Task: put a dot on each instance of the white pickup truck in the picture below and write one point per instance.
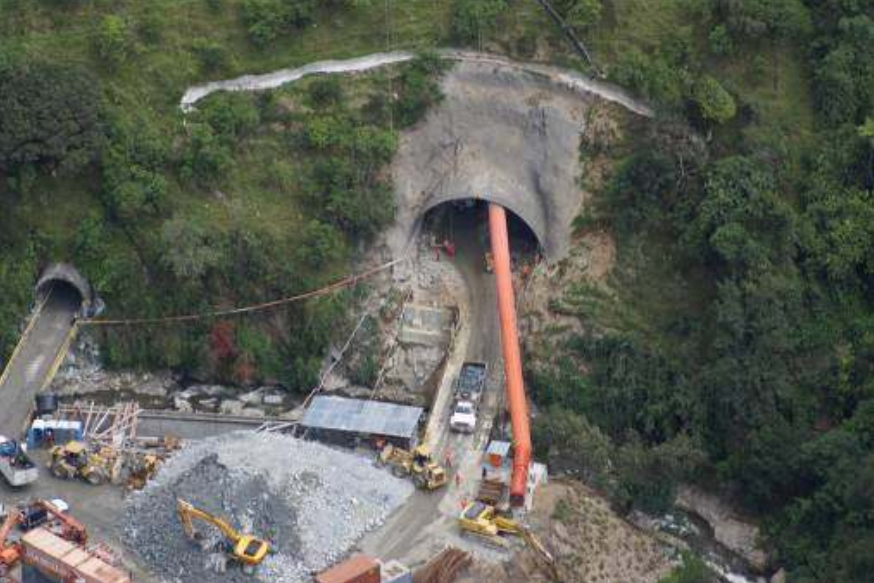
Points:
(469, 389)
(463, 418)
(17, 469)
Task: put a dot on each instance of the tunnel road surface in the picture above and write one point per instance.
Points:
(31, 364)
(428, 521)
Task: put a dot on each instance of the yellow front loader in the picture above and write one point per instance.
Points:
(75, 460)
(426, 473)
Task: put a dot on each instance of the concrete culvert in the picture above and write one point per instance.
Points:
(64, 280)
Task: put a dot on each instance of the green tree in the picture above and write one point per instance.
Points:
(584, 14)
(774, 19)
(51, 117)
(321, 245)
(134, 159)
(232, 117)
(268, 19)
(473, 19)
(714, 103)
(113, 40)
(190, 247)
(212, 56)
(206, 158)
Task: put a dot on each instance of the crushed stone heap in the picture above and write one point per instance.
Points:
(312, 502)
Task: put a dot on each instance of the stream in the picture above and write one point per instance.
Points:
(698, 535)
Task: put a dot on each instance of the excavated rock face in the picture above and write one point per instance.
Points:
(500, 134)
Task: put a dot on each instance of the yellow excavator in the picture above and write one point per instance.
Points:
(426, 473)
(74, 460)
(245, 548)
(485, 522)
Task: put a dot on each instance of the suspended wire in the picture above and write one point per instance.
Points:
(345, 282)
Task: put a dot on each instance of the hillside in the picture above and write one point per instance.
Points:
(725, 343)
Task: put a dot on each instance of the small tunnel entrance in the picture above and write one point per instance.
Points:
(63, 284)
(464, 225)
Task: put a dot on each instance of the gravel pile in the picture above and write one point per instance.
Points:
(312, 503)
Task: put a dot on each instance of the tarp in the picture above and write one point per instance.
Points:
(362, 416)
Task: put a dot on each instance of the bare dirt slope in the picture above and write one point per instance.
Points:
(590, 543)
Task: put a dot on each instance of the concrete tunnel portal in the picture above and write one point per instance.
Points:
(445, 215)
(64, 280)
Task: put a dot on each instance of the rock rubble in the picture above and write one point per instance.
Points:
(313, 503)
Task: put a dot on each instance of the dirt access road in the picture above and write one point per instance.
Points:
(428, 521)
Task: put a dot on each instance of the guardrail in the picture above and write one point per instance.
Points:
(24, 336)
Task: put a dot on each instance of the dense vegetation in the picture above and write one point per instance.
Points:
(733, 346)
(248, 198)
(737, 349)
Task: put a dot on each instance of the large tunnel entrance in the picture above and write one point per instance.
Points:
(464, 225)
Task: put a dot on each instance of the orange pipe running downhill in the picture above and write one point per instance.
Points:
(512, 354)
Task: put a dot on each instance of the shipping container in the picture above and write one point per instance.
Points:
(357, 569)
(61, 560)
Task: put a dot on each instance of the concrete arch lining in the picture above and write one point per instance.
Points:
(66, 274)
(530, 214)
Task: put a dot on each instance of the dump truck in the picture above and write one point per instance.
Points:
(468, 392)
(249, 550)
(18, 470)
(426, 473)
(74, 460)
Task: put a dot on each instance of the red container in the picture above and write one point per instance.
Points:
(357, 569)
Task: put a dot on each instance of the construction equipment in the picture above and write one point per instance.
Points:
(484, 521)
(67, 527)
(426, 473)
(74, 460)
(10, 553)
(142, 469)
(17, 469)
(245, 548)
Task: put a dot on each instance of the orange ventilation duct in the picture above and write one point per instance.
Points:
(512, 354)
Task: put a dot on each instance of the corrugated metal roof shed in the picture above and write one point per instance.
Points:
(362, 416)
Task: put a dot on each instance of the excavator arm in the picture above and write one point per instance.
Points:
(8, 525)
(248, 549)
(73, 530)
(187, 512)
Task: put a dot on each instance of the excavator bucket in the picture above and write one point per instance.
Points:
(251, 550)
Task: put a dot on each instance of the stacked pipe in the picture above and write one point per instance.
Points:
(512, 354)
